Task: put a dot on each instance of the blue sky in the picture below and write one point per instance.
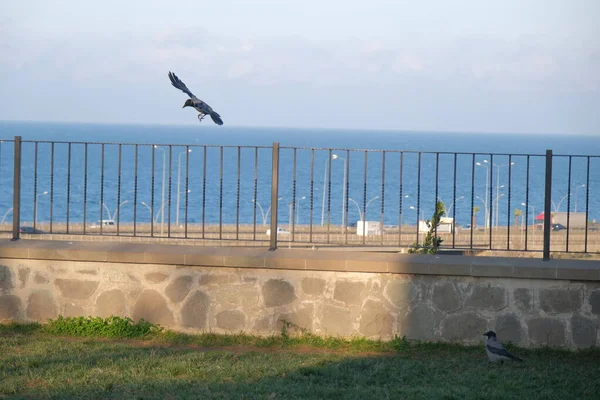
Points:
(465, 65)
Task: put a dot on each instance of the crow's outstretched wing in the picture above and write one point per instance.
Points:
(175, 81)
(499, 350)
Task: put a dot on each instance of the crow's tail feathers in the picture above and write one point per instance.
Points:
(216, 118)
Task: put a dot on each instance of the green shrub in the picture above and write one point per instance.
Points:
(111, 327)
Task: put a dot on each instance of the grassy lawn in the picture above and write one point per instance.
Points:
(38, 364)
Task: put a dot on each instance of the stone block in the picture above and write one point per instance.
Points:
(303, 318)
(583, 331)
(483, 297)
(23, 275)
(264, 324)
(546, 332)
(209, 279)
(446, 297)
(466, 327)
(336, 320)
(194, 313)
(73, 310)
(111, 302)
(243, 295)
(40, 278)
(75, 288)
(401, 294)
(595, 302)
(231, 319)
(419, 323)
(10, 307)
(152, 307)
(349, 292)
(560, 300)
(313, 286)
(156, 277)
(375, 320)
(508, 328)
(6, 282)
(523, 300)
(179, 288)
(277, 292)
(41, 306)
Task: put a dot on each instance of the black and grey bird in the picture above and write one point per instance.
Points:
(200, 106)
(496, 351)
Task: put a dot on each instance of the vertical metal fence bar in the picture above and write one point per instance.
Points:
(587, 204)
(400, 194)
(135, 188)
(169, 190)
(568, 206)
(187, 188)
(491, 203)
(473, 221)
(454, 204)
(527, 203)
(437, 183)
(51, 185)
(119, 188)
(68, 182)
(102, 187)
(35, 183)
(381, 219)
(254, 199)
(328, 195)
(292, 225)
(364, 212)
(418, 194)
(547, 205)
(274, 196)
(237, 195)
(346, 195)
(220, 192)
(508, 207)
(312, 193)
(152, 192)
(204, 193)
(85, 180)
(16, 189)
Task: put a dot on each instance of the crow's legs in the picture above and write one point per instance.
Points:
(201, 117)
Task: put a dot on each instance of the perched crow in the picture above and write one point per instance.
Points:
(200, 106)
(495, 351)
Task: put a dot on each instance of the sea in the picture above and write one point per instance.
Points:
(205, 173)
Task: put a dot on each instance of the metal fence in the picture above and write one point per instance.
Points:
(299, 196)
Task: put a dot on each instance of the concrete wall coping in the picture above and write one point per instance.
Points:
(303, 259)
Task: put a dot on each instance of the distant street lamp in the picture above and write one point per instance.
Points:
(335, 157)
(422, 213)
(576, 191)
(486, 222)
(452, 204)
(162, 218)
(498, 188)
(8, 211)
(362, 215)
(298, 208)
(264, 214)
(36, 207)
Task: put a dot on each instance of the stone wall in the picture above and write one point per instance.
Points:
(337, 301)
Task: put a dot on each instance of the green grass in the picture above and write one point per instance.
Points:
(167, 365)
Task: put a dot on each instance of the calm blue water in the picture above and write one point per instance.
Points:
(396, 179)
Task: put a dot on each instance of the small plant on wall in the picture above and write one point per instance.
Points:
(432, 242)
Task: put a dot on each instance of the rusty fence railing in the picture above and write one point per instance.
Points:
(301, 196)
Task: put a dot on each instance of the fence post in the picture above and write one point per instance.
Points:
(17, 189)
(547, 205)
(274, 196)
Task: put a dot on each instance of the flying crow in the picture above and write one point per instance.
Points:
(200, 106)
(495, 350)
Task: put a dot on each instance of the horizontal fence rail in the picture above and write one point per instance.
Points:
(301, 196)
